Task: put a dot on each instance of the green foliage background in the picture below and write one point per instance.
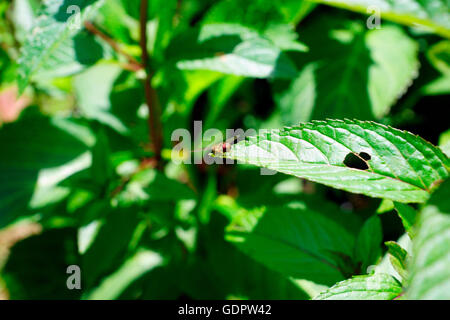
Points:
(356, 210)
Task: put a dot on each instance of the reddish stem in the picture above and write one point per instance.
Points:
(151, 95)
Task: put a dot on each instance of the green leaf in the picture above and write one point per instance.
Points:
(234, 49)
(36, 268)
(397, 257)
(444, 142)
(386, 264)
(109, 241)
(96, 96)
(430, 14)
(112, 16)
(372, 287)
(408, 216)
(359, 74)
(439, 57)
(368, 243)
(225, 272)
(49, 43)
(219, 95)
(101, 168)
(37, 152)
(133, 268)
(429, 266)
(356, 156)
(284, 37)
(299, 243)
(259, 13)
(152, 185)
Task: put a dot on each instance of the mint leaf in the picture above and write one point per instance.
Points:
(356, 156)
(429, 272)
(373, 287)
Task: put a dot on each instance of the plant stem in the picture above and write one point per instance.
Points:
(151, 96)
(134, 64)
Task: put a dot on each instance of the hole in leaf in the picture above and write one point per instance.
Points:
(365, 156)
(356, 162)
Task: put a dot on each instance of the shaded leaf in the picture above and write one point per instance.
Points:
(152, 185)
(408, 216)
(368, 243)
(133, 268)
(36, 268)
(209, 277)
(299, 243)
(109, 243)
(37, 152)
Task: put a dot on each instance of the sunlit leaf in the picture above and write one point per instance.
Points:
(429, 267)
(430, 14)
(356, 156)
(373, 287)
(233, 49)
(47, 45)
(375, 66)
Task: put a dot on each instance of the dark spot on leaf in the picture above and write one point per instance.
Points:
(354, 161)
(365, 156)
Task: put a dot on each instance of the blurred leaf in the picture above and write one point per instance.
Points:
(49, 43)
(109, 243)
(133, 268)
(408, 216)
(7, 68)
(356, 156)
(429, 274)
(296, 242)
(397, 256)
(23, 16)
(36, 268)
(101, 92)
(430, 14)
(284, 37)
(359, 74)
(112, 17)
(164, 15)
(385, 266)
(385, 206)
(444, 142)
(101, 169)
(221, 271)
(368, 243)
(219, 95)
(152, 185)
(39, 153)
(371, 287)
(234, 49)
(259, 13)
(439, 57)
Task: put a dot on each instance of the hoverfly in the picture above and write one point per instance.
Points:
(225, 146)
(221, 147)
